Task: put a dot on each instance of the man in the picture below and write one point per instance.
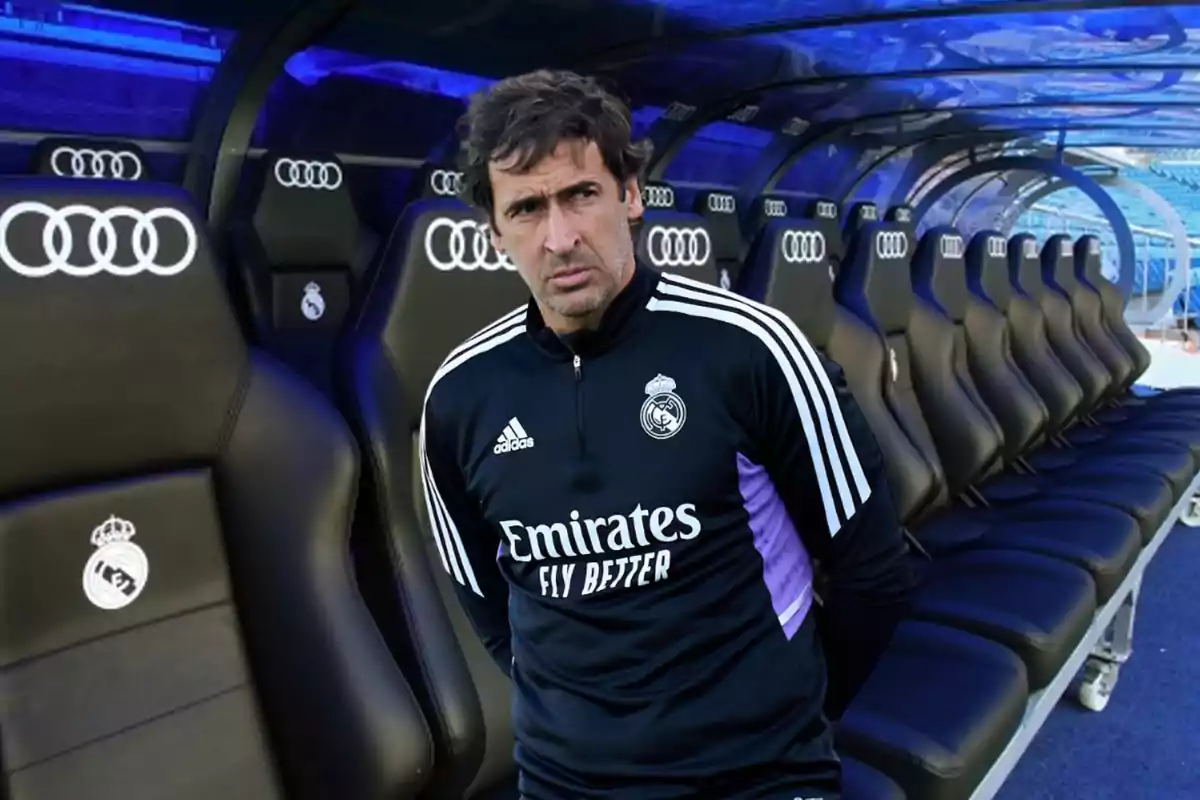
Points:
(630, 480)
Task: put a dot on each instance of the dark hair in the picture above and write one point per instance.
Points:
(529, 115)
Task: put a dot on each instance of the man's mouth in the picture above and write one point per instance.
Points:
(570, 277)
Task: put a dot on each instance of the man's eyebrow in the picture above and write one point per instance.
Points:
(586, 183)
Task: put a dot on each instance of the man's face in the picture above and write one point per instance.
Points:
(565, 224)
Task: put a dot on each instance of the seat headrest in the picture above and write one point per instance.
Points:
(1088, 266)
(861, 214)
(827, 216)
(720, 210)
(987, 269)
(798, 275)
(438, 180)
(874, 280)
(305, 215)
(439, 280)
(1058, 263)
(658, 196)
(822, 208)
(940, 272)
(671, 241)
(121, 351)
(901, 215)
(1024, 266)
(72, 157)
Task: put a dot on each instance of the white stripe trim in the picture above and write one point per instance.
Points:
(445, 531)
(806, 419)
(810, 366)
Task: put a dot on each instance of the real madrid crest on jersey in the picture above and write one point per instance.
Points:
(116, 573)
(663, 413)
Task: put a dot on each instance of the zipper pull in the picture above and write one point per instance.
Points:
(578, 362)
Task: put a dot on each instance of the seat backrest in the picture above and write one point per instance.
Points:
(438, 281)
(298, 260)
(1009, 395)
(678, 243)
(1031, 347)
(968, 437)
(106, 159)
(1088, 271)
(173, 515)
(1089, 314)
(720, 210)
(1058, 274)
(826, 214)
(873, 285)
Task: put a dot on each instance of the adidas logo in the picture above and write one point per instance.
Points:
(513, 438)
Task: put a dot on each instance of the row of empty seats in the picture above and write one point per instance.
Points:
(995, 376)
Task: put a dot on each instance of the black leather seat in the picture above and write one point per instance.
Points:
(936, 734)
(969, 436)
(180, 620)
(1037, 606)
(1054, 363)
(720, 210)
(1088, 271)
(826, 213)
(429, 293)
(1020, 409)
(859, 216)
(1092, 327)
(971, 562)
(301, 253)
(860, 782)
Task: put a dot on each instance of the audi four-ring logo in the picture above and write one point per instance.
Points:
(826, 210)
(102, 240)
(722, 203)
(903, 215)
(802, 247)
(869, 212)
(293, 174)
(775, 208)
(659, 196)
(997, 247)
(1064, 248)
(678, 247)
(446, 182)
(1029, 248)
(891, 245)
(951, 246)
(468, 247)
(84, 162)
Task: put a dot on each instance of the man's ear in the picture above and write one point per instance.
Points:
(634, 208)
(494, 237)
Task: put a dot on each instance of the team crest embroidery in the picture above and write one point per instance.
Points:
(116, 573)
(663, 413)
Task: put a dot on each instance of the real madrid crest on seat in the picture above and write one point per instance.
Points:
(117, 571)
(663, 412)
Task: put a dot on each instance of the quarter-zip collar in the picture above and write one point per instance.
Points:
(623, 315)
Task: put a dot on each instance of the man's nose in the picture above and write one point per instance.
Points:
(561, 234)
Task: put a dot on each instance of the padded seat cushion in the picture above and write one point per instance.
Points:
(1038, 607)
(1104, 541)
(1163, 456)
(1145, 497)
(938, 709)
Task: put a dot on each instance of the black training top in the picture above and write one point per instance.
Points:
(632, 516)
